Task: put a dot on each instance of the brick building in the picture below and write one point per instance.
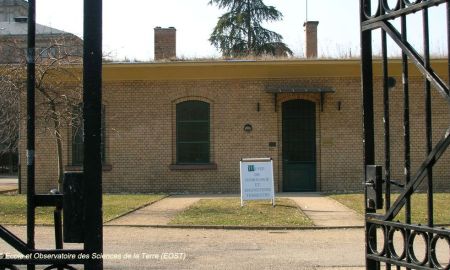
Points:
(184, 126)
(179, 126)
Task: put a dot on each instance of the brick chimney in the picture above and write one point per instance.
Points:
(311, 38)
(165, 43)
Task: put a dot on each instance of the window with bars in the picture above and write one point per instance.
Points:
(77, 136)
(193, 132)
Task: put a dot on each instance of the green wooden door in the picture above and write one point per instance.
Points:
(299, 145)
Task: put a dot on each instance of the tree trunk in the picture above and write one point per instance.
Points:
(58, 145)
(60, 161)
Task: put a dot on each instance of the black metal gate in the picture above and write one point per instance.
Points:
(82, 202)
(390, 242)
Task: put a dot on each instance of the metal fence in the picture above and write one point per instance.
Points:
(382, 231)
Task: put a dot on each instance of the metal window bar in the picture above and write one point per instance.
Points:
(380, 19)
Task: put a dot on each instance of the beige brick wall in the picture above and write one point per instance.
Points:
(140, 123)
(150, 144)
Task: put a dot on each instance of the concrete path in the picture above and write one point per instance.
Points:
(8, 183)
(325, 212)
(158, 213)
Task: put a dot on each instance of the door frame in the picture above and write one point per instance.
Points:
(285, 97)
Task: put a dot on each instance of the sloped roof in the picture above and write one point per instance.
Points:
(20, 28)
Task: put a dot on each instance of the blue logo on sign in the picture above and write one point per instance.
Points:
(251, 168)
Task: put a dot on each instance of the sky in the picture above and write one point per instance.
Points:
(128, 26)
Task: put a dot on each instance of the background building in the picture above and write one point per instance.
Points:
(10, 9)
(13, 35)
(51, 44)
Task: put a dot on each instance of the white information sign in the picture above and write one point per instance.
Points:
(257, 179)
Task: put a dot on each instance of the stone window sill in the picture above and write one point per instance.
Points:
(180, 167)
(77, 168)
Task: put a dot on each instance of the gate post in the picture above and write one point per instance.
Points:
(31, 83)
(368, 118)
(92, 111)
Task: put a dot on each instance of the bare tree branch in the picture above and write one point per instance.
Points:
(58, 92)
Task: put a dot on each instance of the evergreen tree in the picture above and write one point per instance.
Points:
(239, 32)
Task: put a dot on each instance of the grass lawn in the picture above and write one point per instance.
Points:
(254, 213)
(419, 206)
(13, 208)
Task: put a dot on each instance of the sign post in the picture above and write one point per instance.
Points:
(257, 179)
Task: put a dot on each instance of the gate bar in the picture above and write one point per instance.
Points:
(368, 114)
(92, 115)
(401, 12)
(13, 241)
(406, 123)
(386, 126)
(31, 83)
(406, 264)
(387, 135)
(437, 82)
(428, 114)
(448, 42)
(428, 128)
(435, 154)
(411, 227)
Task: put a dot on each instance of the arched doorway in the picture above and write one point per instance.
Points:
(299, 145)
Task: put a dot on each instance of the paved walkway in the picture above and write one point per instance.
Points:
(158, 213)
(323, 211)
(161, 212)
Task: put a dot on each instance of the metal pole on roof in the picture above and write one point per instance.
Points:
(306, 10)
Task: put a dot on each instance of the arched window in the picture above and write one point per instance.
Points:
(192, 132)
